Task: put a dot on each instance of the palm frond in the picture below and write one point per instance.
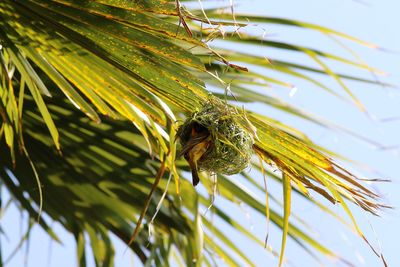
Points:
(93, 91)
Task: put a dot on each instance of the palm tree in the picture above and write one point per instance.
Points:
(92, 96)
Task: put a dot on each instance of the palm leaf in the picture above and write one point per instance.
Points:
(106, 82)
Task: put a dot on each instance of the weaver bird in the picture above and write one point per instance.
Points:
(195, 147)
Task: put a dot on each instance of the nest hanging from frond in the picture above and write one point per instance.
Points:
(231, 144)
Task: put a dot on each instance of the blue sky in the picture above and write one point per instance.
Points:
(374, 21)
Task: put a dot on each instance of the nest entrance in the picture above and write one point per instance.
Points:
(231, 145)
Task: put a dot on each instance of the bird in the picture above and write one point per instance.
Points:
(196, 146)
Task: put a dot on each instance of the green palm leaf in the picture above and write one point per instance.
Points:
(93, 92)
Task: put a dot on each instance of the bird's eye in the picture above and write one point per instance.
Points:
(198, 128)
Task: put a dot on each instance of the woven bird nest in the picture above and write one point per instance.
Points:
(231, 143)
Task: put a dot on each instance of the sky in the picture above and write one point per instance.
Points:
(373, 21)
